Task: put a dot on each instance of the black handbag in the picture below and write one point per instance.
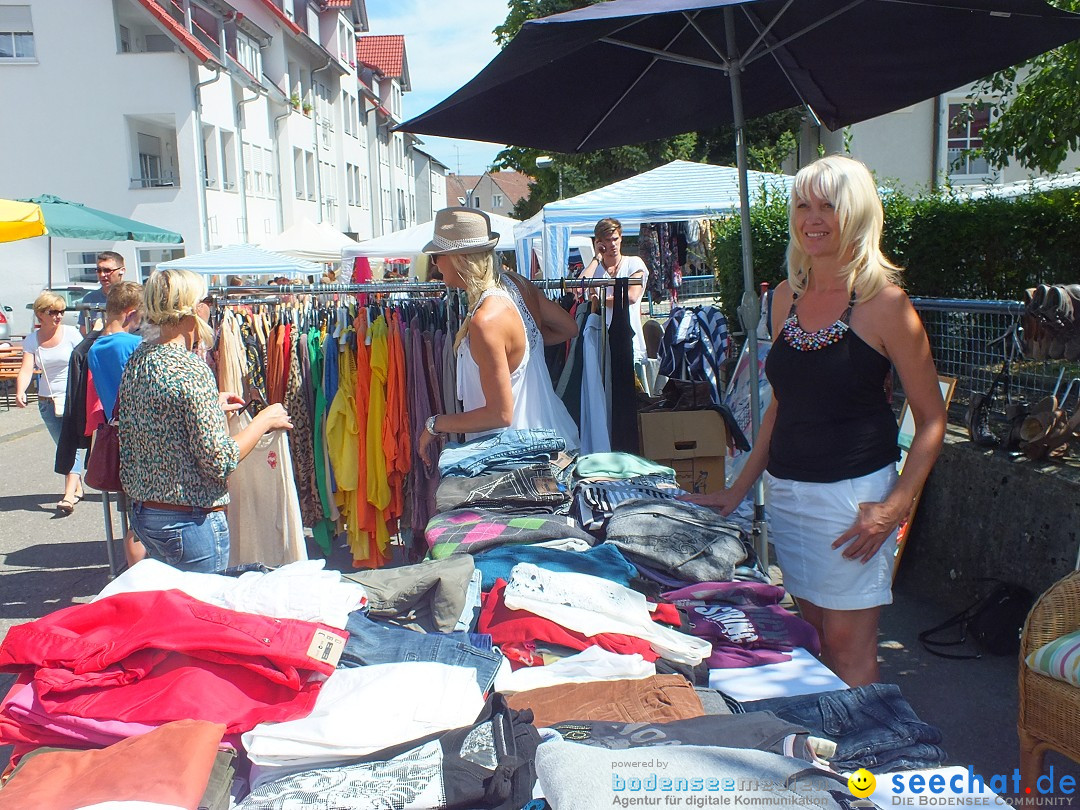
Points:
(993, 623)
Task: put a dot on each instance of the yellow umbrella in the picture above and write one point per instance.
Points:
(20, 220)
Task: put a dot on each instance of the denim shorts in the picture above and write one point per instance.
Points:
(196, 540)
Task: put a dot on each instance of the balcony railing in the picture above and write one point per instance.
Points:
(161, 181)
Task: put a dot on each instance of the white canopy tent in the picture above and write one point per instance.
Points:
(411, 241)
(677, 191)
(315, 242)
(246, 260)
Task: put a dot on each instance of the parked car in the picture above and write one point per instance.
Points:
(5, 322)
(72, 296)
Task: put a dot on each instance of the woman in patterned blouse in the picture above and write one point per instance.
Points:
(175, 448)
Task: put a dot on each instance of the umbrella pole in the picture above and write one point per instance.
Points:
(50, 263)
(749, 309)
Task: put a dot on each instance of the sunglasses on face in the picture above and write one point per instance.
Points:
(52, 312)
(108, 271)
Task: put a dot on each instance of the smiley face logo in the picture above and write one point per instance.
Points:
(861, 783)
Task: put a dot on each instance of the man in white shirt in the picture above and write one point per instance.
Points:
(608, 259)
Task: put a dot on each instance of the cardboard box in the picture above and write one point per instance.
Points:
(693, 443)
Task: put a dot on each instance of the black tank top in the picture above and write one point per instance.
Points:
(833, 421)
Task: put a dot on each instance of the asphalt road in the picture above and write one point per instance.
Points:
(48, 562)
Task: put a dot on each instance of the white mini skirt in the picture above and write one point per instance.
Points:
(806, 518)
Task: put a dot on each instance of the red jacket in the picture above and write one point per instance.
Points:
(157, 656)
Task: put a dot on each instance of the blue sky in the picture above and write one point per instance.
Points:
(447, 42)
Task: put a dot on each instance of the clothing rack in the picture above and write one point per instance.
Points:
(565, 285)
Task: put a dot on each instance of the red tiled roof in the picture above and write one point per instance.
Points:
(515, 185)
(458, 187)
(338, 3)
(176, 29)
(384, 52)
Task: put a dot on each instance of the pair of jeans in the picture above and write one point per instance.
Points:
(196, 540)
(595, 501)
(371, 642)
(686, 541)
(528, 486)
(53, 423)
(499, 452)
(873, 727)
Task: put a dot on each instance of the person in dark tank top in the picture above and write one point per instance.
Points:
(827, 445)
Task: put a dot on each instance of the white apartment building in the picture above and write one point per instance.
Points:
(224, 120)
(922, 146)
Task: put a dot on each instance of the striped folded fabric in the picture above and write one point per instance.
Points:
(1059, 658)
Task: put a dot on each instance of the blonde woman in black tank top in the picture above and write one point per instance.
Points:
(827, 442)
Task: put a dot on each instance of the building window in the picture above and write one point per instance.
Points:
(298, 172)
(151, 171)
(228, 161)
(248, 54)
(81, 267)
(309, 174)
(16, 33)
(496, 201)
(365, 193)
(206, 27)
(966, 125)
(150, 258)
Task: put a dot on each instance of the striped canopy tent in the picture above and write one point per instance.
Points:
(675, 192)
(243, 260)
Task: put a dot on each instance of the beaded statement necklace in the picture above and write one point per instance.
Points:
(799, 339)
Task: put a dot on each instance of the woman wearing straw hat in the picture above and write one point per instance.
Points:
(502, 379)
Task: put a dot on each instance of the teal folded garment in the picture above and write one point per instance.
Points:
(618, 465)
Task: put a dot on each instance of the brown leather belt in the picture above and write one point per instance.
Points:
(181, 507)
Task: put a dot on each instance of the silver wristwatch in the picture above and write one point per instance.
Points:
(429, 425)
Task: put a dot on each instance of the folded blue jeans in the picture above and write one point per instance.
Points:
(690, 542)
(499, 452)
(595, 501)
(873, 727)
(525, 487)
(371, 642)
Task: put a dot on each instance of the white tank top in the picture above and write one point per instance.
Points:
(535, 403)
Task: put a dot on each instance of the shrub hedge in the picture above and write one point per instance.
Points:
(990, 248)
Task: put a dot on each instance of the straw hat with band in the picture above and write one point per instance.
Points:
(461, 230)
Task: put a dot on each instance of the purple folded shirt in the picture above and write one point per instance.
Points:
(732, 593)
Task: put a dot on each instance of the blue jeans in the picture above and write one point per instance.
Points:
(52, 424)
(191, 541)
(521, 488)
(502, 451)
(681, 539)
(873, 727)
(371, 642)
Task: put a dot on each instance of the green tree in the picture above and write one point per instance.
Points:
(770, 138)
(1037, 121)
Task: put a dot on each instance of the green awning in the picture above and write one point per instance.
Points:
(77, 221)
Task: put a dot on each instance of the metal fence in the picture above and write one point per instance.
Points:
(693, 290)
(969, 340)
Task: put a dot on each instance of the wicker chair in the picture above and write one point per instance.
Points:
(1049, 716)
